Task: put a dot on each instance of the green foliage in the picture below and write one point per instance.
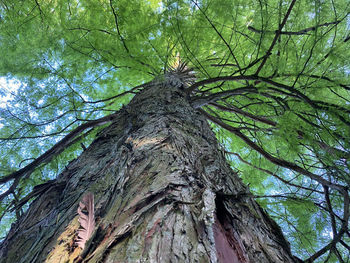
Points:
(71, 58)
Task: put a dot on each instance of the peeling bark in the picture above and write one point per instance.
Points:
(163, 193)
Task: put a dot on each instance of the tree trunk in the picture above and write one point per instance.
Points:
(163, 193)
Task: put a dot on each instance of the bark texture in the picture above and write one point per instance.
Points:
(163, 193)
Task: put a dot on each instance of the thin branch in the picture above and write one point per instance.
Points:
(331, 213)
(89, 30)
(277, 35)
(271, 158)
(131, 91)
(122, 39)
(292, 166)
(300, 32)
(117, 26)
(57, 148)
(198, 102)
(273, 174)
(244, 113)
(219, 34)
(221, 78)
(315, 104)
(224, 65)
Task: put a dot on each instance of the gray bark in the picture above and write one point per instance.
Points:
(163, 193)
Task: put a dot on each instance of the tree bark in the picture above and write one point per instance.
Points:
(163, 193)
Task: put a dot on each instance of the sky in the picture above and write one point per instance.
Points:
(7, 88)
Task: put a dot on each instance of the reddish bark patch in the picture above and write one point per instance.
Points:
(153, 230)
(225, 246)
(229, 248)
(150, 233)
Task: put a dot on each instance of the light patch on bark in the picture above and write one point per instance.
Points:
(208, 217)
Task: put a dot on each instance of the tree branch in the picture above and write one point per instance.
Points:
(198, 102)
(57, 148)
(219, 34)
(273, 174)
(271, 158)
(300, 32)
(292, 166)
(244, 113)
(277, 35)
(117, 26)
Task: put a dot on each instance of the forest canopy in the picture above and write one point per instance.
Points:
(271, 76)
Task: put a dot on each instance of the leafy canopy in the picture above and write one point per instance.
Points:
(272, 78)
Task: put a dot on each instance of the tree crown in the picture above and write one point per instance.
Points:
(272, 77)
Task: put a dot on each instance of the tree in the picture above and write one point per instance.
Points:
(270, 76)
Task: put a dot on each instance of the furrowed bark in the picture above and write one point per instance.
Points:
(163, 193)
